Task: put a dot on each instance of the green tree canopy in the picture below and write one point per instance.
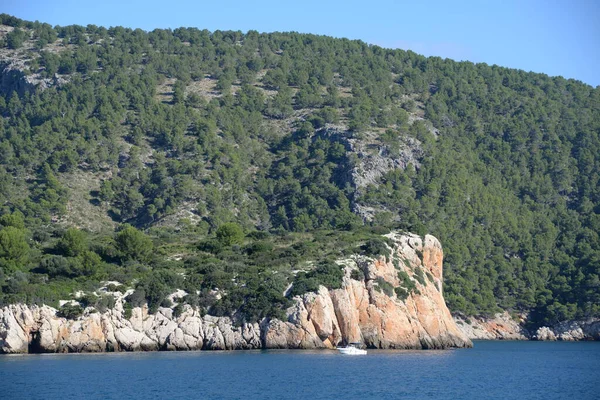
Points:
(230, 233)
(15, 220)
(73, 242)
(133, 244)
(14, 250)
(15, 39)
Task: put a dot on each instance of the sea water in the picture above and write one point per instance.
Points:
(491, 370)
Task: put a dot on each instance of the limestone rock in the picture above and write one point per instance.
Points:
(545, 333)
(366, 311)
(321, 313)
(14, 78)
(13, 338)
(591, 329)
(362, 312)
(571, 331)
(501, 327)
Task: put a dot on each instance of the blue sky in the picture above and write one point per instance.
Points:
(553, 37)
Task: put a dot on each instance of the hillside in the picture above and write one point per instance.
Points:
(232, 165)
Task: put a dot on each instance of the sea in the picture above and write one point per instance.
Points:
(490, 370)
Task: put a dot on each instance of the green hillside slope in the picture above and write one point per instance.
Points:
(225, 163)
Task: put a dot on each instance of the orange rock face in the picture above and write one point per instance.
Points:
(366, 311)
(433, 256)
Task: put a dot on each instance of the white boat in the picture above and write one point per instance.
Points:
(352, 349)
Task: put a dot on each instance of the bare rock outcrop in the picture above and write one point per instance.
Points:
(370, 310)
(570, 331)
(544, 333)
(372, 159)
(376, 310)
(504, 327)
(14, 79)
(373, 165)
(501, 327)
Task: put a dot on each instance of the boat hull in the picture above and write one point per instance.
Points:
(351, 351)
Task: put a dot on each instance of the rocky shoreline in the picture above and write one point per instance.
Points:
(371, 310)
(503, 327)
(367, 310)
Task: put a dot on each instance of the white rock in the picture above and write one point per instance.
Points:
(13, 339)
(545, 333)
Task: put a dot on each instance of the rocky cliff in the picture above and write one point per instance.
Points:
(393, 301)
(503, 327)
(570, 331)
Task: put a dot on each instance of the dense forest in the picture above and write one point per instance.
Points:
(232, 164)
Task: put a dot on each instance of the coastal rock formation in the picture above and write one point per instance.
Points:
(545, 333)
(501, 327)
(37, 329)
(378, 310)
(570, 331)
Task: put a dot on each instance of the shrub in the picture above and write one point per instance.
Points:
(215, 277)
(259, 235)
(420, 276)
(87, 263)
(70, 311)
(166, 302)
(406, 284)
(266, 302)
(210, 246)
(133, 244)
(430, 277)
(127, 310)
(303, 283)
(111, 287)
(419, 254)
(259, 247)
(177, 310)
(357, 274)
(72, 243)
(385, 286)
(260, 297)
(16, 220)
(317, 121)
(155, 287)
(380, 230)
(15, 39)
(202, 301)
(55, 266)
(376, 247)
(14, 250)
(104, 303)
(230, 233)
(401, 292)
(137, 298)
(327, 274)
(100, 303)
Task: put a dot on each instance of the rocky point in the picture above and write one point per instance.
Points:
(373, 306)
